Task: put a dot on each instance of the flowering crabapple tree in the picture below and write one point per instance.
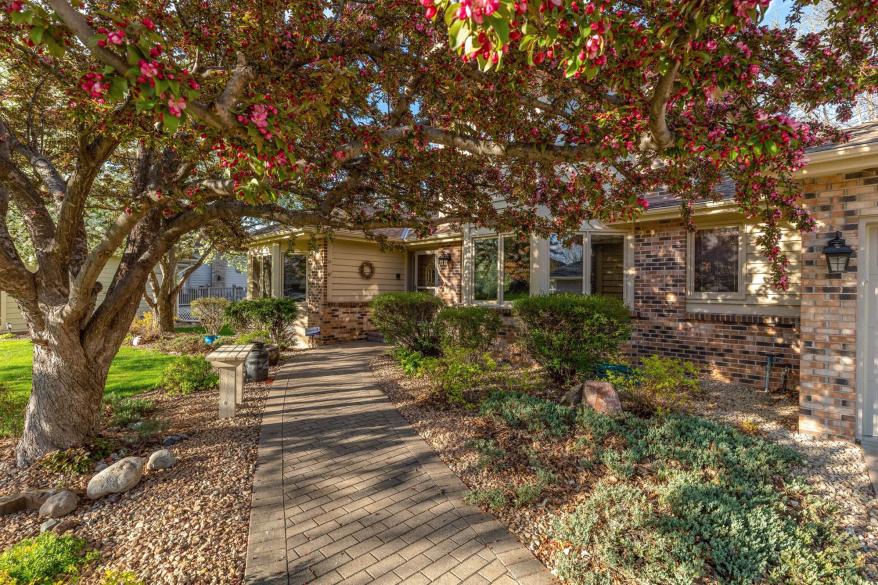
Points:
(166, 119)
(683, 94)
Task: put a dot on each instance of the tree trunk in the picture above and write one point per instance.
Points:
(166, 308)
(65, 401)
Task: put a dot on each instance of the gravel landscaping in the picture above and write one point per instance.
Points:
(184, 525)
(835, 469)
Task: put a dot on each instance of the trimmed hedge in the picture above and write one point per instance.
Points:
(570, 334)
(276, 316)
(408, 319)
(469, 328)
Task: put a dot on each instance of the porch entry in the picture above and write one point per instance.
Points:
(868, 391)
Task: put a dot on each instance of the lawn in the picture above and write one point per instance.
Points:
(134, 370)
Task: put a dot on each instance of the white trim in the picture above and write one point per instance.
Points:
(741, 293)
(865, 257)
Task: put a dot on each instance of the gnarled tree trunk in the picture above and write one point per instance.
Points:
(65, 402)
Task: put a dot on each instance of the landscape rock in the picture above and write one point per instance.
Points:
(12, 503)
(101, 465)
(33, 499)
(59, 505)
(601, 396)
(49, 525)
(117, 478)
(161, 459)
(171, 440)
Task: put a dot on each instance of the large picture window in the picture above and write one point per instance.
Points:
(501, 268)
(566, 263)
(295, 272)
(716, 261)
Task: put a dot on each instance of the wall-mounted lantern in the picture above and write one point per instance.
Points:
(445, 259)
(838, 254)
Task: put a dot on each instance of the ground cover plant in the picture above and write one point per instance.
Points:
(659, 497)
(47, 559)
(134, 370)
(188, 374)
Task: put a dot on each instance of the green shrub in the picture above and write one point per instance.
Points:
(188, 374)
(113, 577)
(526, 411)
(73, 461)
(267, 315)
(494, 498)
(469, 328)
(408, 320)
(412, 362)
(718, 510)
(460, 372)
(252, 336)
(663, 384)
(6, 336)
(570, 334)
(211, 311)
(127, 410)
(183, 344)
(44, 560)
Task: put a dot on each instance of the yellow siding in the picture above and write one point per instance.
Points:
(14, 316)
(345, 283)
(757, 269)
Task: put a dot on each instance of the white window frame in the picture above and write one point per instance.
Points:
(431, 289)
(740, 294)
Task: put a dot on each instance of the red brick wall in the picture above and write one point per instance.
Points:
(828, 394)
(727, 347)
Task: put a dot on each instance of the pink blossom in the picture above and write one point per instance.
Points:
(116, 37)
(148, 23)
(94, 85)
(176, 106)
(14, 6)
(149, 69)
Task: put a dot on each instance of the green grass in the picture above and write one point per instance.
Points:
(226, 330)
(133, 371)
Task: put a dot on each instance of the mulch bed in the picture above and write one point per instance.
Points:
(183, 525)
(836, 469)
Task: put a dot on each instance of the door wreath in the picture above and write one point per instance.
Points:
(367, 270)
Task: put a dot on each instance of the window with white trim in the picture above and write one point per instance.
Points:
(295, 276)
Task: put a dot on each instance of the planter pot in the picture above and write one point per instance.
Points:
(256, 364)
(273, 354)
(209, 339)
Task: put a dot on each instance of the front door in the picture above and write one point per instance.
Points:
(869, 390)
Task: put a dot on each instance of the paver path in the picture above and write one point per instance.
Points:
(346, 491)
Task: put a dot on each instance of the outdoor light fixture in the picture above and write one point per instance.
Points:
(838, 254)
(444, 259)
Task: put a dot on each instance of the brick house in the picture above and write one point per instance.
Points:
(701, 295)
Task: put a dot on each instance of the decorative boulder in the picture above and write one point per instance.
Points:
(117, 478)
(59, 505)
(12, 503)
(601, 396)
(161, 459)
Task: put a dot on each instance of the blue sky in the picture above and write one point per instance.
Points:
(777, 11)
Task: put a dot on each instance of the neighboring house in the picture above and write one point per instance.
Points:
(12, 320)
(703, 295)
(217, 278)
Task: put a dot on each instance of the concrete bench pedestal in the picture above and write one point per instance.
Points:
(229, 362)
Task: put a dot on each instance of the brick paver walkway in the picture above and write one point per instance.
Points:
(345, 491)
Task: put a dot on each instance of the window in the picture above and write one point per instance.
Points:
(516, 268)
(485, 276)
(501, 268)
(426, 275)
(566, 262)
(295, 271)
(716, 267)
(600, 256)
